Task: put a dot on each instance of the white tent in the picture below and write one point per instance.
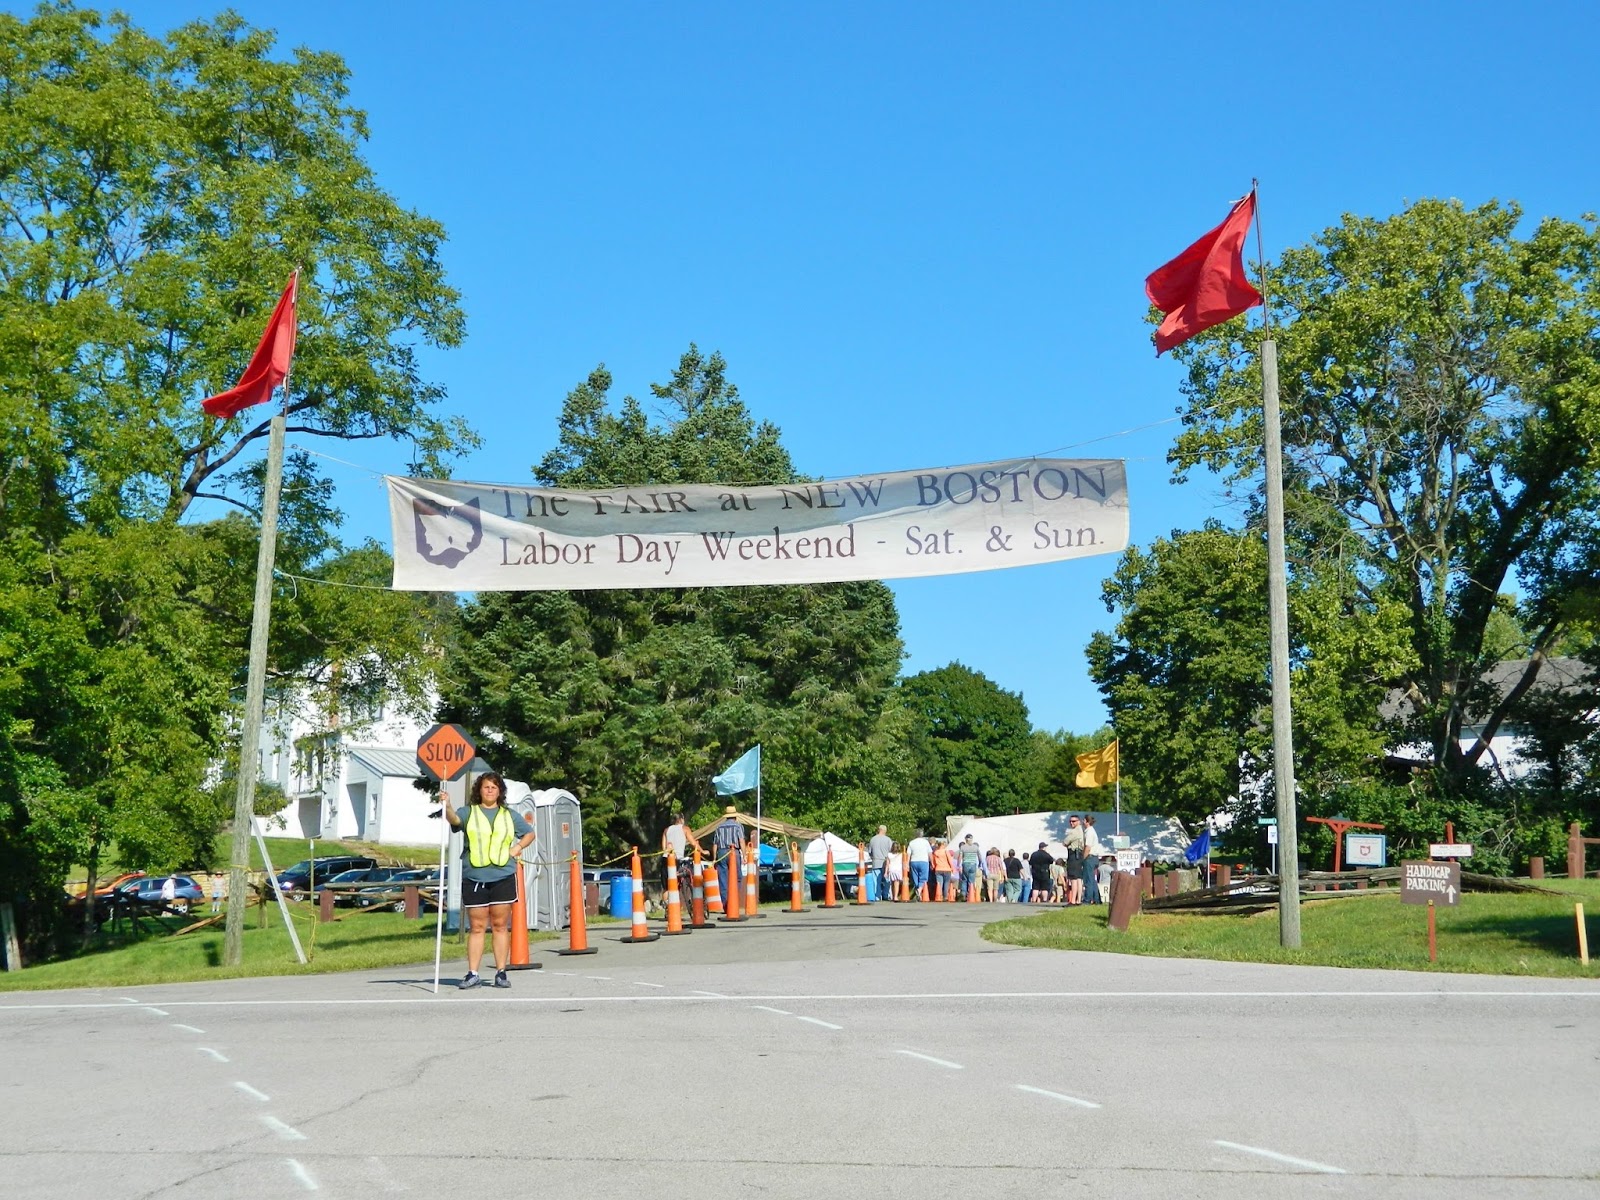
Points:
(1161, 839)
(815, 856)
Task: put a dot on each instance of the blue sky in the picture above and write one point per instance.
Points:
(918, 232)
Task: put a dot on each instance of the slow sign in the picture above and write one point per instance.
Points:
(445, 752)
(1439, 882)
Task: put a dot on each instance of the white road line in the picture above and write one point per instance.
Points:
(1022, 1087)
(782, 1012)
(567, 973)
(287, 1132)
(641, 983)
(213, 1053)
(814, 1021)
(938, 1062)
(1592, 994)
(190, 1028)
(303, 1175)
(1286, 1159)
(601, 978)
(250, 1091)
(160, 1012)
(129, 1000)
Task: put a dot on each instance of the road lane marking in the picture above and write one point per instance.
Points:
(1287, 1159)
(1022, 1087)
(190, 1028)
(782, 1012)
(601, 978)
(815, 1021)
(641, 983)
(303, 1175)
(160, 1012)
(382, 1001)
(250, 1091)
(938, 1062)
(213, 1053)
(286, 1131)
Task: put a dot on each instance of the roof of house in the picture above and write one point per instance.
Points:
(386, 761)
(1555, 675)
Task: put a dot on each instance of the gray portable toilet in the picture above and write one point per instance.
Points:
(547, 880)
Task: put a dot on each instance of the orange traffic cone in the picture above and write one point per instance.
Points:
(861, 872)
(735, 886)
(797, 875)
(904, 887)
(673, 901)
(577, 928)
(697, 895)
(752, 883)
(519, 929)
(641, 931)
(713, 889)
(827, 883)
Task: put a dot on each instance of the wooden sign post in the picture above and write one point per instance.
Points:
(1431, 883)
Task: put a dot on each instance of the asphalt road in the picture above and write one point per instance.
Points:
(878, 1052)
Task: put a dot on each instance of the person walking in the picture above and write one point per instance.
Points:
(878, 851)
(1074, 864)
(943, 889)
(971, 858)
(676, 839)
(169, 892)
(216, 894)
(727, 843)
(994, 875)
(496, 836)
(893, 871)
(919, 851)
(1039, 863)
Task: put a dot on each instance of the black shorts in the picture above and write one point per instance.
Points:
(481, 895)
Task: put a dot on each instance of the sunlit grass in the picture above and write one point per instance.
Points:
(1488, 933)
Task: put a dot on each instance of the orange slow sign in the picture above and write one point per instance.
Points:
(445, 752)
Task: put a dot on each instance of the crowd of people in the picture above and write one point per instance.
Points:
(934, 869)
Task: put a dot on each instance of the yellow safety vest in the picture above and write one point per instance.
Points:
(489, 841)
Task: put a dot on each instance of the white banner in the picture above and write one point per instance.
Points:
(470, 537)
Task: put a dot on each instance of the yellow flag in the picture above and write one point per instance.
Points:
(1098, 767)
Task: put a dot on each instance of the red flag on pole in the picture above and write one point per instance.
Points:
(269, 365)
(1206, 284)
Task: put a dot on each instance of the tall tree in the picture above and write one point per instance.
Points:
(1440, 376)
(981, 740)
(635, 699)
(155, 193)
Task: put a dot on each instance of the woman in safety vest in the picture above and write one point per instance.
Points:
(495, 837)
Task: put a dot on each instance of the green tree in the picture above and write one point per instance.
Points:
(1440, 378)
(1057, 780)
(981, 740)
(155, 194)
(635, 699)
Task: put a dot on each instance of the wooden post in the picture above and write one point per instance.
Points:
(1433, 936)
(413, 902)
(1574, 852)
(325, 906)
(13, 951)
(1147, 881)
(1224, 875)
(1536, 867)
(1583, 937)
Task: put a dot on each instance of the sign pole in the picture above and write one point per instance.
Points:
(1433, 936)
(438, 929)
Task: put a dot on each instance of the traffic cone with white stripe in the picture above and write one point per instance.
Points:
(641, 931)
(713, 889)
(797, 876)
(673, 901)
(861, 872)
(752, 884)
(697, 901)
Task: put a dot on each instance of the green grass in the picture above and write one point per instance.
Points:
(1488, 933)
(357, 942)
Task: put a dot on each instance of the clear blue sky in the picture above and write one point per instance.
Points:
(918, 232)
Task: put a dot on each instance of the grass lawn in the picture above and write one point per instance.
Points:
(358, 941)
(1488, 933)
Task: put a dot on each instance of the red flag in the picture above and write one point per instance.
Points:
(269, 365)
(1206, 284)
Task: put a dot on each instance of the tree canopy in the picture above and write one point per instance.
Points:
(635, 699)
(981, 740)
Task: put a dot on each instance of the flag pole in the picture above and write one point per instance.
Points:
(1117, 742)
(1278, 619)
(244, 797)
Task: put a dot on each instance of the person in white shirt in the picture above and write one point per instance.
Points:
(919, 851)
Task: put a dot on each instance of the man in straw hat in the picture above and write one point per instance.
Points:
(727, 839)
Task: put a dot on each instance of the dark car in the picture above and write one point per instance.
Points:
(298, 877)
(348, 886)
(392, 891)
(143, 895)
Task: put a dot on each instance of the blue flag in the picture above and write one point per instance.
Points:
(1199, 848)
(743, 776)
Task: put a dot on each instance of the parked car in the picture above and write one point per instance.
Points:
(297, 879)
(345, 884)
(392, 892)
(144, 895)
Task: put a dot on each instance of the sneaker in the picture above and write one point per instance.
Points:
(471, 980)
(500, 979)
